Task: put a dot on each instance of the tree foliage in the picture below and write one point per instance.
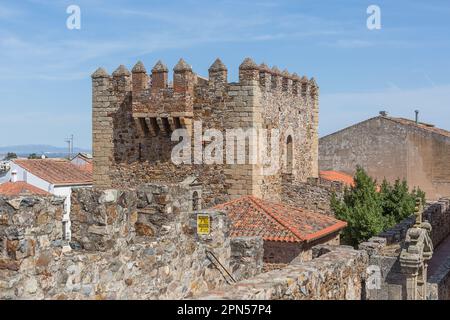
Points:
(369, 209)
(10, 155)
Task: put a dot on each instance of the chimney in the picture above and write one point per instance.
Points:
(417, 116)
(13, 176)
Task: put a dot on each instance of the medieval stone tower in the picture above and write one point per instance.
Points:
(135, 113)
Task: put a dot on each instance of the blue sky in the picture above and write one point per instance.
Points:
(45, 68)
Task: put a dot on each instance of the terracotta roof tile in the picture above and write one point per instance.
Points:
(251, 216)
(20, 188)
(56, 171)
(337, 176)
(88, 167)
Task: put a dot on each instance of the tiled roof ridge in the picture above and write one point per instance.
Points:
(21, 187)
(75, 176)
(326, 231)
(339, 176)
(420, 125)
(336, 226)
(277, 218)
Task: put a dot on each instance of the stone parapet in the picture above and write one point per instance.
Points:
(335, 275)
(134, 244)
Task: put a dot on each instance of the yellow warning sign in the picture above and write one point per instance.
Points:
(203, 224)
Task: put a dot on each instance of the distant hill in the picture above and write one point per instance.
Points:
(48, 150)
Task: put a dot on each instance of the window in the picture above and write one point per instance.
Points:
(289, 155)
(195, 201)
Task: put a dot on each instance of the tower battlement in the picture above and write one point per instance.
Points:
(135, 112)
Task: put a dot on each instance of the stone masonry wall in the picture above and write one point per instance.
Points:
(315, 194)
(138, 244)
(337, 273)
(392, 148)
(438, 215)
(134, 114)
(384, 251)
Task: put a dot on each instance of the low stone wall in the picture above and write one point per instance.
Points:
(337, 273)
(439, 283)
(139, 244)
(438, 215)
(246, 257)
(384, 251)
(315, 194)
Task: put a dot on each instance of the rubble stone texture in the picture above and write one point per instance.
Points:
(134, 115)
(338, 274)
(385, 249)
(314, 194)
(126, 245)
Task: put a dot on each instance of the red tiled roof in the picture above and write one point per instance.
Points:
(337, 176)
(56, 171)
(88, 167)
(251, 216)
(20, 188)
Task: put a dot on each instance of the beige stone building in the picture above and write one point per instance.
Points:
(392, 148)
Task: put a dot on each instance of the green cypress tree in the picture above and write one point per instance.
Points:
(361, 208)
(369, 210)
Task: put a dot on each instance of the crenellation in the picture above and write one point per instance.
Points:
(248, 72)
(160, 77)
(134, 119)
(140, 79)
(286, 81)
(277, 80)
(121, 80)
(265, 76)
(296, 85)
(217, 75)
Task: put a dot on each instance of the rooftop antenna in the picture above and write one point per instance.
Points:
(417, 116)
(69, 142)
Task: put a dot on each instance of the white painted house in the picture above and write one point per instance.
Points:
(56, 176)
(82, 159)
(5, 172)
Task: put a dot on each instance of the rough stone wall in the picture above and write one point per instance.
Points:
(376, 144)
(135, 113)
(391, 150)
(438, 285)
(384, 251)
(26, 223)
(429, 162)
(337, 274)
(276, 252)
(138, 244)
(315, 194)
(246, 257)
(438, 215)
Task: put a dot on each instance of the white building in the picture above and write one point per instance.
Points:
(82, 159)
(56, 176)
(5, 175)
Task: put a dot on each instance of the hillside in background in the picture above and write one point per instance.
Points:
(39, 149)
